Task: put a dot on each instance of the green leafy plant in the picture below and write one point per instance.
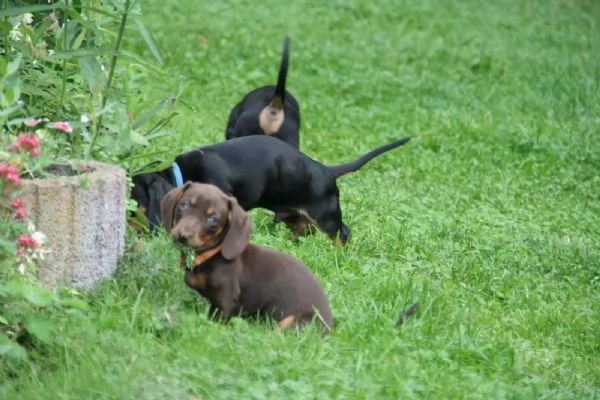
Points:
(73, 68)
(26, 308)
(68, 91)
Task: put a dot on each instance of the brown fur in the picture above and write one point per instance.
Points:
(240, 279)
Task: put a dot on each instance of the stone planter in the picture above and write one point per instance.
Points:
(83, 217)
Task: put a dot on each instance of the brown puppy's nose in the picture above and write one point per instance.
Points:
(185, 233)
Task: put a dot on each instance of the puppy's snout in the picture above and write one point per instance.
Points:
(183, 232)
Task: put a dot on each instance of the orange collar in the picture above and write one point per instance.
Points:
(200, 258)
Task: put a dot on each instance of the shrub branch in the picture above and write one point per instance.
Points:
(111, 72)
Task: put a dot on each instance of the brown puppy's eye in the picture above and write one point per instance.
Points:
(184, 205)
(213, 219)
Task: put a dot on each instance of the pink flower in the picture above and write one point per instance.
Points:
(4, 169)
(10, 173)
(26, 241)
(21, 213)
(31, 122)
(13, 178)
(17, 203)
(63, 126)
(21, 252)
(31, 143)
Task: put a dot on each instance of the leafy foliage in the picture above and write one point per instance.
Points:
(72, 68)
(65, 85)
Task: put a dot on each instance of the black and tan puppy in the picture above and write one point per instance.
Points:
(236, 277)
(268, 110)
(261, 171)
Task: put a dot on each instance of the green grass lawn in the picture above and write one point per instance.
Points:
(489, 217)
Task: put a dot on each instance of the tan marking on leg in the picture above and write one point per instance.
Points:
(286, 323)
(306, 225)
(303, 225)
(193, 201)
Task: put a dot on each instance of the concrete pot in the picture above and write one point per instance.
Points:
(83, 217)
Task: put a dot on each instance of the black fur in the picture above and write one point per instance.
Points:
(244, 116)
(261, 171)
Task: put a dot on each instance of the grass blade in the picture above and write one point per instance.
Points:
(150, 42)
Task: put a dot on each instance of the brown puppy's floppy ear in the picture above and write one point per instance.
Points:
(168, 204)
(238, 235)
(156, 192)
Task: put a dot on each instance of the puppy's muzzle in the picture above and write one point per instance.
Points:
(184, 233)
(189, 232)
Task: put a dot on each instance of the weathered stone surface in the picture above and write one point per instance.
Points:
(84, 220)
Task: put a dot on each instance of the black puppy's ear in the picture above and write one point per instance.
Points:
(238, 235)
(168, 204)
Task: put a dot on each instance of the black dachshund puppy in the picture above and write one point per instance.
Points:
(261, 171)
(268, 110)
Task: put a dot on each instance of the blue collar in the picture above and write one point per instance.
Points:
(177, 174)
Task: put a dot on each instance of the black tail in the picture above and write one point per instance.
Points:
(279, 96)
(343, 169)
(407, 313)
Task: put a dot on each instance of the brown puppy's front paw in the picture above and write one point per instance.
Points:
(286, 323)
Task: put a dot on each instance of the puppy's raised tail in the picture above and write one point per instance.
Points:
(279, 96)
(343, 169)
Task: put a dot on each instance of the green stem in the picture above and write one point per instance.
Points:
(111, 72)
(64, 63)
(5, 19)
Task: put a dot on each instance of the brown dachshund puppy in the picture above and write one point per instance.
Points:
(236, 277)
